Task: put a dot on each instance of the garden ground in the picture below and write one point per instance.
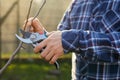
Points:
(37, 69)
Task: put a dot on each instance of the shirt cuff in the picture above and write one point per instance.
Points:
(70, 41)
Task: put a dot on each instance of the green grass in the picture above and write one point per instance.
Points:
(24, 55)
(37, 69)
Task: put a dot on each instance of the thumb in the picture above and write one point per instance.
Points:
(38, 26)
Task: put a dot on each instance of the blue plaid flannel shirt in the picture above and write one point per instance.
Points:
(91, 28)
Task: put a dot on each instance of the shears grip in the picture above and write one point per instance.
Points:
(56, 63)
(34, 39)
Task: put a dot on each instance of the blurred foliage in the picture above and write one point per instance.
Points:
(24, 55)
(28, 66)
(50, 16)
(37, 70)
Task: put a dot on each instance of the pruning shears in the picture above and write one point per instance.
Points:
(34, 38)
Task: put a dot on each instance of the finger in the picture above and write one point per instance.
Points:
(49, 55)
(40, 46)
(45, 52)
(31, 29)
(27, 24)
(30, 19)
(54, 59)
(37, 26)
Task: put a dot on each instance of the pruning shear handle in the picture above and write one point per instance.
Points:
(34, 39)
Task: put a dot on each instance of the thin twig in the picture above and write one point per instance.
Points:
(18, 48)
(28, 15)
(43, 3)
(11, 58)
(20, 44)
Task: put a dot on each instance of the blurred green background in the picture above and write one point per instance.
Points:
(27, 65)
(37, 69)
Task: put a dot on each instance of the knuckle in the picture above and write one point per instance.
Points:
(35, 50)
(42, 55)
(47, 59)
(52, 62)
(35, 20)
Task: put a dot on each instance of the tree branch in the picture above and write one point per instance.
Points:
(11, 58)
(20, 44)
(18, 48)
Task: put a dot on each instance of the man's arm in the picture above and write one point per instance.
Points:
(77, 40)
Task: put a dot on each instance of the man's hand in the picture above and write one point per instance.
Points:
(34, 26)
(52, 44)
(53, 47)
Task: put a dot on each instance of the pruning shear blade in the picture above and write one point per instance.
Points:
(28, 41)
(33, 38)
